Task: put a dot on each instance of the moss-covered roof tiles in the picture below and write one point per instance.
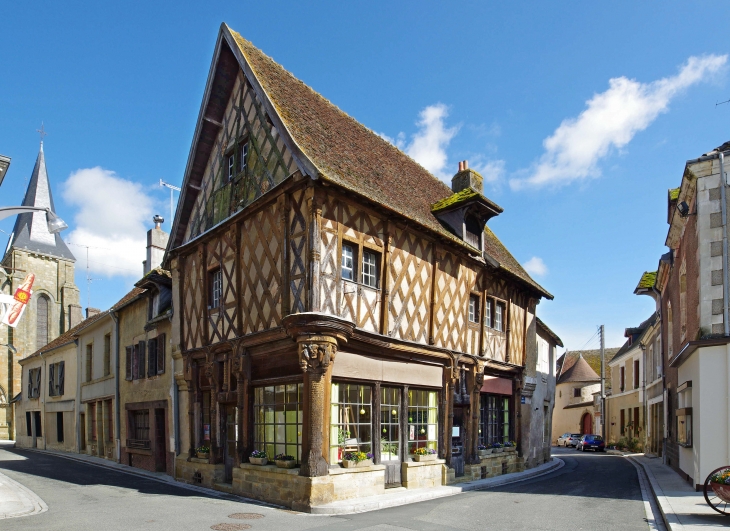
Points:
(455, 199)
(648, 279)
(348, 154)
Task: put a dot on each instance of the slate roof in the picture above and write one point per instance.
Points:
(591, 357)
(352, 156)
(31, 229)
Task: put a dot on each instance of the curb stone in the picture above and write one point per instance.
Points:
(32, 503)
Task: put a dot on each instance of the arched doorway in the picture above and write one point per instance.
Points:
(586, 424)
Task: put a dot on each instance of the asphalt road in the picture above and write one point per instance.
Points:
(591, 492)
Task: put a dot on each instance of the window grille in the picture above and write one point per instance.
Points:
(348, 263)
(278, 419)
(494, 419)
(370, 269)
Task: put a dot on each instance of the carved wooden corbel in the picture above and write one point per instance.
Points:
(479, 377)
(317, 352)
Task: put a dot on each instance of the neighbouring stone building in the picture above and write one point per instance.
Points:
(332, 296)
(54, 306)
(693, 281)
(626, 412)
(578, 380)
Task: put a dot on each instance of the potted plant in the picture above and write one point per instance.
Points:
(357, 459)
(510, 446)
(258, 457)
(424, 454)
(720, 483)
(285, 461)
(483, 450)
(342, 436)
(497, 447)
(202, 452)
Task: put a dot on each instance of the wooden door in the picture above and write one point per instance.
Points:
(229, 437)
(160, 446)
(587, 424)
(391, 436)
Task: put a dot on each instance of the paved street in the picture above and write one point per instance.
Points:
(592, 491)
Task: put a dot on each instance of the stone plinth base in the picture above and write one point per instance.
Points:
(489, 466)
(418, 475)
(187, 470)
(286, 487)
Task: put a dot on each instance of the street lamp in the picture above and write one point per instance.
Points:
(55, 224)
(4, 165)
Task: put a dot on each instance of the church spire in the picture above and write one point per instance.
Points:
(31, 229)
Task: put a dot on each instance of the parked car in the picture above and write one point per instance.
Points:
(591, 442)
(568, 439)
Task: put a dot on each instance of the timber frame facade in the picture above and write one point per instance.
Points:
(326, 302)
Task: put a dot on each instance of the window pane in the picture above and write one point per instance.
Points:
(499, 313)
(422, 419)
(347, 262)
(278, 420)
(369, 269)
(350, 420)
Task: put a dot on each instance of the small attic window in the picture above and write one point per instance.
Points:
(473, 232)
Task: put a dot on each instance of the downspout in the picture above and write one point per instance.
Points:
(723, 205)
(117, 422)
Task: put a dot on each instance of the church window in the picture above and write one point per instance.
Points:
(215, 280)
(41, 321)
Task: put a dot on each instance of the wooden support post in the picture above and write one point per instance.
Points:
(376, 416)
(404, 421)
(385, 284)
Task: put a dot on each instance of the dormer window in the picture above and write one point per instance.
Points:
(473, 232)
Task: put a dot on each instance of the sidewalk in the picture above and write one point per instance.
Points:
(682, 508)
(15, 499)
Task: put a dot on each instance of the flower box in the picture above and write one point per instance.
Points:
(427, 457)
(485, 453)
(202, 455)
(288, 463)
(497, 450)
(357, 464)
(258, 460)
(509, 449)
(722, 491)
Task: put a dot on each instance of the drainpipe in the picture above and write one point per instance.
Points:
(175, 398)
(117, 422)
(660, 316)
(723, 205)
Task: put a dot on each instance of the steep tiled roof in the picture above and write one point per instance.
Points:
(591, 357)
(350, 155)
(549, 332)
(579, 371)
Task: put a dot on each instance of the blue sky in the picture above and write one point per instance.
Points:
(523, 90)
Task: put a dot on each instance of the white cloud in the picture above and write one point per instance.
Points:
(611, 120)
(492, 170)
(112, 216)
(535, 266)
(428, 145)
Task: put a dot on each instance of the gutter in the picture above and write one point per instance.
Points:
(117, 410)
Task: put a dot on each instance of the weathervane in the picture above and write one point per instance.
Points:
(42, 132)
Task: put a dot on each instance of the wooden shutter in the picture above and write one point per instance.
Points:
(61, 377)
(135, 361)
(161, 354)
(128, 361)
(151, 357)
(51, 390)
(30, 383)
(141, 362)
(38, 382)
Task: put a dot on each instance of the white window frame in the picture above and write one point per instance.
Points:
(369, 276)
(488, 307)
(243, 156)
(216, 288)
(499, 313)
(347, 262)
(231, 165)
(473, 308)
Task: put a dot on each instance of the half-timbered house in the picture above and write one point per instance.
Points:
(332, 296)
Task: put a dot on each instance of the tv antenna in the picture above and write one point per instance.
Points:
(89, 280)
(721, 102)
(172, 188)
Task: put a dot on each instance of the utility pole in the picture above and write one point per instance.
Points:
(603, 383)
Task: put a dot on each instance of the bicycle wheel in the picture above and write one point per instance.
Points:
(721, 505)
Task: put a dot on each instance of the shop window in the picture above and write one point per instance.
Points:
(390, 419)
(350, 420)
(278, 420)
(684, 414)
(422, 419)
(494, 419)
(205, 413)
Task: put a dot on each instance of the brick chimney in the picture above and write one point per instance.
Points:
(466, 178)
(91, 312)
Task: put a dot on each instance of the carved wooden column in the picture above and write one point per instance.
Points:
(376, 416)
(315, 355)
(477, 380)
(189, 374)
(239, 365)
